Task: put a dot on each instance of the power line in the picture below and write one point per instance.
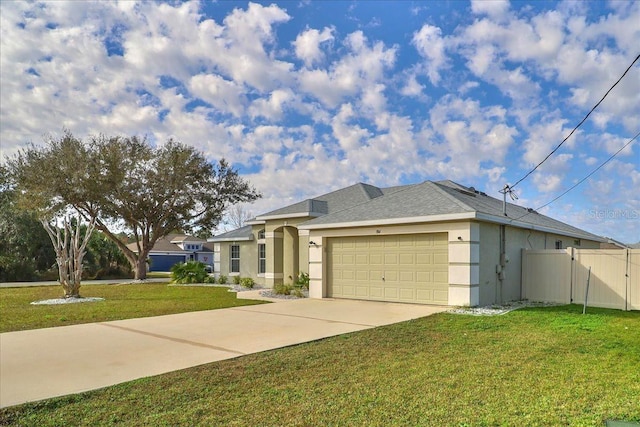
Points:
(583, 179)
(579, 124)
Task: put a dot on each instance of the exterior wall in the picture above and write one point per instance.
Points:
(492, 290)
(248, 259)
(303, 252)
(463, 256)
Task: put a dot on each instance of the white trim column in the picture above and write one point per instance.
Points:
(464, 265)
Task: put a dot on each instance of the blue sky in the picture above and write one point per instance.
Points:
(306, 97)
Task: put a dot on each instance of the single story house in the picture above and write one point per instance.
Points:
(431, 243)
(175, 248)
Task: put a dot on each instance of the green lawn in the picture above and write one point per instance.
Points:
(124, 301)
(531, 367)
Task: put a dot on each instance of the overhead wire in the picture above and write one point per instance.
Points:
(582, 180)
(578, 125)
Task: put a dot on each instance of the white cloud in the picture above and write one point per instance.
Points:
(494, 8)
(226, 95)
(363, 66)
(307, 45)
(431, 45)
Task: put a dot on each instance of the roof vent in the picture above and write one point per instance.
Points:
(531, 210)
(459, 190)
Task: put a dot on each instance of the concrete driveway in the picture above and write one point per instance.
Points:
(44, 363)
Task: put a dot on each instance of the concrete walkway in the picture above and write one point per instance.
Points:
(44, 363)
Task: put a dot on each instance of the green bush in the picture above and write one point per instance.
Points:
(189, 272)
(302, 281)
(210, 279)
(236, 280)
(222, 280)
(282, 289)
(247, 282)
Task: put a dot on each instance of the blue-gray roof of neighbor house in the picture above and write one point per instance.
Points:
(432, 201)
(239, 234)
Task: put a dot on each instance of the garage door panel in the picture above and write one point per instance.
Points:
(362, 259)
(391, 275)
(409, 268)
(424, 258)
(376, 291)
(440, 276)
(407, 294)
(405, 259)
(376, 259)
(441, 259)
(407, 276)
(441, 296)
(390, 259)
(362, 275)
(391, 293)
(424, 295)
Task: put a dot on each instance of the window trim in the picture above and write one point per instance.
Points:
(232, 259)
(262, 258)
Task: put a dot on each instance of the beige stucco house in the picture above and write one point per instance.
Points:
(430, 243)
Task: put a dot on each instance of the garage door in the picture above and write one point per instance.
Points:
(406, 268)
(164, 262)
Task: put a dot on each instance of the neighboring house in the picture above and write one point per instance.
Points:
(432, 243)
(175, 248)
(610, 243)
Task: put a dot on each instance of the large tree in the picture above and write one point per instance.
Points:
(25, 249)
(126, 182)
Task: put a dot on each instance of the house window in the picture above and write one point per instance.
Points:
(261, 234)
(577, 242)
(235, 258)
(558, 244)
(262, 258)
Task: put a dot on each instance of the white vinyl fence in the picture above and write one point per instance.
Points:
(561, 276)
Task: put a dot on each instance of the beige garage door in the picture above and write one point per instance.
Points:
(407, 268)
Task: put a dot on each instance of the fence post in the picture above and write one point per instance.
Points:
(586, 292)
(572, 253)
(627, 282)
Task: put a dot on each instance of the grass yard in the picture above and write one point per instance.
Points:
(531, 367)
(122, 301)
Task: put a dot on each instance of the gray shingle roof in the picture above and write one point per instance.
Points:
(242, 233)
(440, 198)
(330, 202)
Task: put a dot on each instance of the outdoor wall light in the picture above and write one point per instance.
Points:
(311, 242)
(460, 238)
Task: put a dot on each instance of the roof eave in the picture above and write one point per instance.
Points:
(392, 221)
(230, 239)
(509, 221)
(291, 215)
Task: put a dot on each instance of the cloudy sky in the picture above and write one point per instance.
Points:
(304, 97)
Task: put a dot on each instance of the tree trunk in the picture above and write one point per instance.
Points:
(70, 251)
(141, 269)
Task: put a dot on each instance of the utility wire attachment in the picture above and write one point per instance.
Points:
(507, 190)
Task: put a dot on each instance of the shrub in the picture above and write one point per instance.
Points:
(222, 280)
(189, 272)
(247, 282)
(236, 280)
(209, 279)
(297, 292)
(282, 289)
(302, 281)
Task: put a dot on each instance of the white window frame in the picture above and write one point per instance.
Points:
(232, 259)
